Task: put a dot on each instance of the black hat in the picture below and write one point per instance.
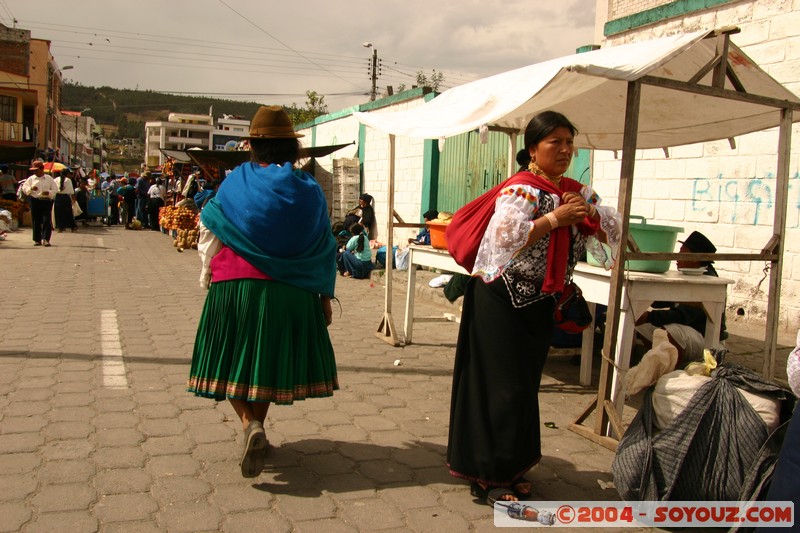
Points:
(366, 197)
(699, 243)
(431, 214)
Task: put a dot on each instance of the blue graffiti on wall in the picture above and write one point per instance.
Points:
(749, 198)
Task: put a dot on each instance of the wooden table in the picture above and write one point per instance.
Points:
(425, 255)
(641, 289)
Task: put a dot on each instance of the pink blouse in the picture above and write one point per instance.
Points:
(227, 265)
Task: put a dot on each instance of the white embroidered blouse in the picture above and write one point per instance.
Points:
(502, 252)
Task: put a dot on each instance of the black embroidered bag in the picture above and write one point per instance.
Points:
(572, 313)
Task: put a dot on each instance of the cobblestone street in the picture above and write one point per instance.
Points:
(97, 432)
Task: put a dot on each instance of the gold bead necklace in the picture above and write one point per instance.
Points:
(536, 169)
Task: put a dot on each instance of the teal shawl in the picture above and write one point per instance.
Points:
(276, 218)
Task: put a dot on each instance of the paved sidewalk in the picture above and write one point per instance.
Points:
(86, 445)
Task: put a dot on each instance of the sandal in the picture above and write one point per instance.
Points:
(255, 440)
(491, 495)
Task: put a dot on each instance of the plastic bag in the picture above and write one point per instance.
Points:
(401, 258)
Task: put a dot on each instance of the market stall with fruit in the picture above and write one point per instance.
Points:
(181, 223)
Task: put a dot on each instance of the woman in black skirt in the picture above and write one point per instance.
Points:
(542, 222)
(64, 198)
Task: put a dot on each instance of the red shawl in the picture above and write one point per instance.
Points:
(465, 232)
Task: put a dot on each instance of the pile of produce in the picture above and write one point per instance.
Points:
(437, 227)
(187, 238)
(443, 218)
(16, 208)
(174, 217)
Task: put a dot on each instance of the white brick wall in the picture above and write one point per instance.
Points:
(408, 175)
(408, 166)
(728, 194)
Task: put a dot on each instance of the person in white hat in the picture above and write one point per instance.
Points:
(41, 189)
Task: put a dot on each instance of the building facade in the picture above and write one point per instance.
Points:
(227, 130)
(181, 131)
(30, 96)
(725, 192)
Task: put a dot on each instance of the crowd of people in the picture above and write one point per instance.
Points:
(58, 197)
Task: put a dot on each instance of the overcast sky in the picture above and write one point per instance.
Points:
(272, 52)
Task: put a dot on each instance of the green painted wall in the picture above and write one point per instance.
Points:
(430, 172)
(675, 9)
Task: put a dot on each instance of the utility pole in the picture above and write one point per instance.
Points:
(47, 109)
(374, 74)
(374, 91)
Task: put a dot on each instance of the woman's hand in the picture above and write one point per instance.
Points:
(326, 309)
(571, 212)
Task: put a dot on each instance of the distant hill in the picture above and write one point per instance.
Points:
(128, 110)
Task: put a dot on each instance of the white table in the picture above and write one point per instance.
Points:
(640, 290)
(424, 255)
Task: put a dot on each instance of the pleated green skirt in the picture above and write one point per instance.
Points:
(262, 341)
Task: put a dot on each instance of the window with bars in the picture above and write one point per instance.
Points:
(8, 109)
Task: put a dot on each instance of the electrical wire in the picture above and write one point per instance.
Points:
(199, 60)
(11, 18)
(336, 63)
(220, 45)
(259, 28)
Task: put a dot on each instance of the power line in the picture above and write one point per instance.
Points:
(222, 45)
(11, 18)
(239, 51)
(226, 61)
(281, 42)
(182, 41)
(218, 69)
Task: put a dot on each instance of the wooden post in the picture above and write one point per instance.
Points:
(386, 330)
(607, 371)
(778, 228)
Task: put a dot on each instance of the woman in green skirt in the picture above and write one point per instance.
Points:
(269, 264)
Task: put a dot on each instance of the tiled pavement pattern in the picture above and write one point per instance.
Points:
(79, 453)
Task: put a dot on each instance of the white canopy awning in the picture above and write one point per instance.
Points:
(590, 89)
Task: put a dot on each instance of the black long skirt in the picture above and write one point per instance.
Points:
(494, 411)
(63, 212)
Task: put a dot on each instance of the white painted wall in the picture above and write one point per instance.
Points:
(728, 194)
(408, 165)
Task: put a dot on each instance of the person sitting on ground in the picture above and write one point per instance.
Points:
(687, 341)
(424, 236)
(355, 259)
(689, 314)
(363, 214)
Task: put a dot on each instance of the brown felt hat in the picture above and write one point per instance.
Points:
(272, 122)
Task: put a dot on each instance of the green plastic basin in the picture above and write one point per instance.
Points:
(650, 238)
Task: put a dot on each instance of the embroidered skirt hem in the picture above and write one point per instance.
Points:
(262, 340)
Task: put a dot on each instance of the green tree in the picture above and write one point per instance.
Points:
(434, 81)
(315, 107)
